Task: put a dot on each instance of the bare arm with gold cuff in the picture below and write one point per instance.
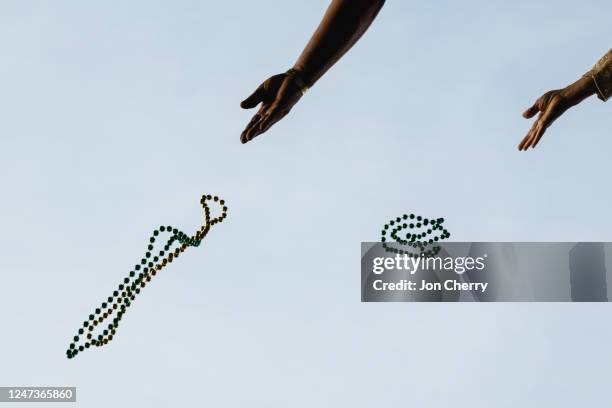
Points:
(602, 76)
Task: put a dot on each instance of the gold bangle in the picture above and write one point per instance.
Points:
(297, 80)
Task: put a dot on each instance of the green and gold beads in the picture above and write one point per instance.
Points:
(427, 233)
(115, 306)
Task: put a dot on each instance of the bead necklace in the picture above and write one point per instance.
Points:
(415, 240)
(116, 305)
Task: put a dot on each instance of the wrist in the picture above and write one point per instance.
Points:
(297, 78)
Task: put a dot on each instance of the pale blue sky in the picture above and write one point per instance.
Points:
(118, 115)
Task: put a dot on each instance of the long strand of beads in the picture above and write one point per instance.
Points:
(121, 299)
(421, 239)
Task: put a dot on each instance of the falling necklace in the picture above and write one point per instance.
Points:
(121, 299)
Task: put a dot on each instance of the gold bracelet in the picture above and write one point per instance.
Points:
(297, 79)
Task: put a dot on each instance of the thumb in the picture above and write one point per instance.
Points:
(254, 99)
(530, 113)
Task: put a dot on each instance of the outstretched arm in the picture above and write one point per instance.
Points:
(554, 103)
(344, 23)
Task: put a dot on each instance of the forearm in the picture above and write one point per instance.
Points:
(344, 23)
(579, 90)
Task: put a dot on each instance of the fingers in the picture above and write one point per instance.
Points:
(537, 135)
(526, 142)
(253, 129)
(266, 122)
(530, 113)
(253, 121)
(261, 125)
(254, 99)
(543, 123)
(537, 131)
(257, 129)
(252, 132)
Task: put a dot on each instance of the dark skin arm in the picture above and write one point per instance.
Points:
(344, 23)
(553, 104)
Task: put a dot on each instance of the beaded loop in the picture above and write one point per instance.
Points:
(116, 305)
(415, 240)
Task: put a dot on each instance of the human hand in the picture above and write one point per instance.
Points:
(553, 104)
(277, 96)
